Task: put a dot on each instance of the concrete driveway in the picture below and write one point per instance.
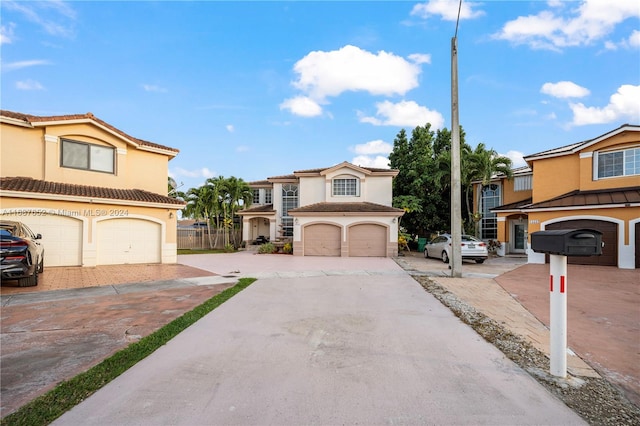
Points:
(323, 341)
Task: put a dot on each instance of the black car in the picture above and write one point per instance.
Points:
(22, 255)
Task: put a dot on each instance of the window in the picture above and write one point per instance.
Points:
(488, 223)
(289, 201)
(267, 196)
(618, 163)
(256, 196)
(85, 156)
(346, 187)
(522, 183)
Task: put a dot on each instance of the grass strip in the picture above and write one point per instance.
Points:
(67, 394)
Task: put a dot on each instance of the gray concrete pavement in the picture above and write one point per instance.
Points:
(323, 341)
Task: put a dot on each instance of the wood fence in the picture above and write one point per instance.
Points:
(198, 239)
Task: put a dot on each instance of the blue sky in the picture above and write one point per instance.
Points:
(259, 89)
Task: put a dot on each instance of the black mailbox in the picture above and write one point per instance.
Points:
(568, 242)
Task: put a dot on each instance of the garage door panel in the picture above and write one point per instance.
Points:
(322, 240)
(609, 231)
(61, 237)
(368, 240)
(122, 241)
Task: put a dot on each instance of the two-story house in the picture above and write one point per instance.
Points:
(344, 210)
(97, 195)
(594, 184)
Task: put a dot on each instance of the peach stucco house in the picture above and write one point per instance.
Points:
(592, 184)
(343, 210)
(97, 195)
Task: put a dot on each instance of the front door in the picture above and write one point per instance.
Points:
(518, 243)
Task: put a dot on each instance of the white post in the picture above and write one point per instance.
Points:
(558, 314)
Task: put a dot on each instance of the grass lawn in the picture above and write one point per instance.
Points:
(48, 407)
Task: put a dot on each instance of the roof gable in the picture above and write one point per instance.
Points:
(33, 121)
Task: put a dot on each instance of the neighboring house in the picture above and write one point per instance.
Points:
(97, 195)
(593, 184)
(344, 210)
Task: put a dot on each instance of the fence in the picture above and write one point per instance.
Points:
(198, 239)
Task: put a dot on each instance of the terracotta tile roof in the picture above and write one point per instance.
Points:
(30, 119)
(620, 196)
(25, 184)
(265, 208)
(363, 207)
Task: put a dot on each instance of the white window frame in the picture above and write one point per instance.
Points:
(629, 161)
(345, 186)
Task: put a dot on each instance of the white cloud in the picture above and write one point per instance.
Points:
(6, 33)
(195, 173)
(634, 39)
(623, 105)
(404, 114)
(564, 89)
(29, 85)
(230, 128)
(563, 27)
(324, 74)
(516, 158)
(55, 17)
(420, 58)
(23, 64)
(373, 147)
(378, 162)
(447, 10)
(302, 105)
(154, 88)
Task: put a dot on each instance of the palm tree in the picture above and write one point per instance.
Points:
(483, 165)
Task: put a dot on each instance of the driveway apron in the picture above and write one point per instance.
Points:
(332, 345)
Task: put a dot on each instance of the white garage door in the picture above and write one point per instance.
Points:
(368, 240)
(61, 237)
(322, 240)
(128, 240)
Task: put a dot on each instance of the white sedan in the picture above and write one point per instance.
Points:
(472, 248)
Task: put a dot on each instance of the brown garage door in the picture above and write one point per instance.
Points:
(322, 240)
(368, 240)
(609, 237)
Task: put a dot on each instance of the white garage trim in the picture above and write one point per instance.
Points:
(64, 232)
(130, 239)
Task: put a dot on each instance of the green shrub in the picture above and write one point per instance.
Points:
(229, 248)
(267, 248)
(287, 248)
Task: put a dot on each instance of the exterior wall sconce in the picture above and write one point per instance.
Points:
(393, 220)
(170, 215)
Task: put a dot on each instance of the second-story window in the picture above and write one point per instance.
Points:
(267, 196)
(86, 156)
(256, 196)
(618, 163)
(346, 187)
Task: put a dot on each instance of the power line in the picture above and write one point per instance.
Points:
(458, 19)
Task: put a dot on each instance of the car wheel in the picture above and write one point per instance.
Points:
(426, 253)
(41, 265)
(445, 257)
(479, 260)
(31, 281)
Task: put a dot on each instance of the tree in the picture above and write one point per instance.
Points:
(483, 165)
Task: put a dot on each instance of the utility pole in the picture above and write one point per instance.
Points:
(456, 216)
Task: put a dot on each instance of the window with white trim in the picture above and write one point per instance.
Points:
(86, 156)
(522, 183)
(346, 187)
(256, 196)
(289, 201)
(267, 196)
(625, 162)
(491, 198)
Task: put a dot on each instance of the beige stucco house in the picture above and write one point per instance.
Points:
(344, 210)
(593, 184)
(97, 195)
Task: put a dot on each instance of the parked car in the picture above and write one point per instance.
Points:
(472, 248)
(21, 252)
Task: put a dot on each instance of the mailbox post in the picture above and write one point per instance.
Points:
(559, 244)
